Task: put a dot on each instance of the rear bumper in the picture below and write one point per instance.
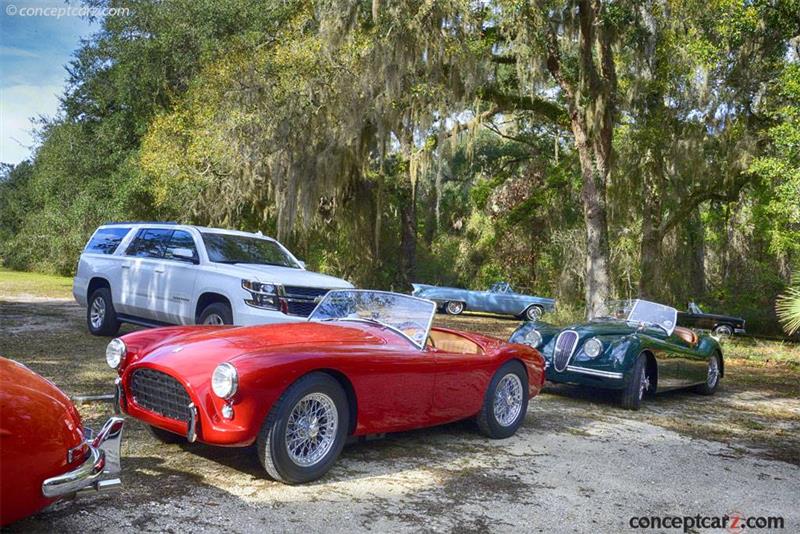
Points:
(739, 331)
(103, 461)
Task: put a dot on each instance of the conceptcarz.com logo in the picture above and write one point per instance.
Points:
(733, 522)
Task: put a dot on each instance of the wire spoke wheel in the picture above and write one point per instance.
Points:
(508, 399)
(713, 372)
(311, 429)
(644, 383)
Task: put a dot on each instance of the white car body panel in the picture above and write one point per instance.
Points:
(161, 290)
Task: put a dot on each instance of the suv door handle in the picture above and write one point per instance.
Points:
(125, 267)
(159, 271)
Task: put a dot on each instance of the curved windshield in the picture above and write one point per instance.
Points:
(234, 248)
(409, 316)
(642, 312)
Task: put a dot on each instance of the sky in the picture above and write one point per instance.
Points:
(35, 45)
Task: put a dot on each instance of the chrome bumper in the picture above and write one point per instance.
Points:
(103, 460)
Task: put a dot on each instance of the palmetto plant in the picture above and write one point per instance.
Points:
(788, 307)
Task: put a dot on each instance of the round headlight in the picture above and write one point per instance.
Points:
(115, 351)
(224, 381)
(593, 348)
(533, 338)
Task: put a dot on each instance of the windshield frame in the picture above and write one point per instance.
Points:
(375, 322)
(668, 331)
(273, 242)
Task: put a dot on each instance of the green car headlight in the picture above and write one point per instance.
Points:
(593, 348)
(533, 338)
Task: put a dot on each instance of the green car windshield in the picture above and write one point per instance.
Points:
(641, 312)
(409, 316)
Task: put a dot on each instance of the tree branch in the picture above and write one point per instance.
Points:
(699, 196)
(513, 102)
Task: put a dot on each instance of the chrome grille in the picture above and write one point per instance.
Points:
(161, 394)
(565, 346)
(302, 300)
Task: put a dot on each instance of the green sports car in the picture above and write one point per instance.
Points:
(633, 346)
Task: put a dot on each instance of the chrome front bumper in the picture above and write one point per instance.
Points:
(103, 460)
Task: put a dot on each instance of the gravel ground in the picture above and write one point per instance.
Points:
(578, 463)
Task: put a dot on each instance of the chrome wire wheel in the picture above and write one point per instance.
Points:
(454, 307)
(644, 383)
(311, 429)
(508, 399)
(713, 372)
(98, 313)
(534, 313)
(214, 319)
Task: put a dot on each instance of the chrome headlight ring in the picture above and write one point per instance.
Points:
(225, 381)
(593, 348)
(115, 352)
(533, 338)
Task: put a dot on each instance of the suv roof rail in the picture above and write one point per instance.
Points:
(138, 222)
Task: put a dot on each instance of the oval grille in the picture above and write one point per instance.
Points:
(161, 394)
(565, 346)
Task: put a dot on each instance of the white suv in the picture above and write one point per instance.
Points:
(157, 274)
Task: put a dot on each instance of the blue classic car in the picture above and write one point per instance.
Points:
(634, 346)
(500, 298)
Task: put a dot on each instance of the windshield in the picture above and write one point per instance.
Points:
(231, 248)
(641, 311)
(409, 316)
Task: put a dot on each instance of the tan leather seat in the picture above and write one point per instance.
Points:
(686, 334)
(448, 342)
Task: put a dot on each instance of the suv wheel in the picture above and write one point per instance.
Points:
(216, 314)
(101, 318)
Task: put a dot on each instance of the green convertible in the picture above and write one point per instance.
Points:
(633, 346)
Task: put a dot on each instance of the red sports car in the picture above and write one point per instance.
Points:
(45, 452)
(366, 362)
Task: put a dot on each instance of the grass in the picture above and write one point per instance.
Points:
(16, 283)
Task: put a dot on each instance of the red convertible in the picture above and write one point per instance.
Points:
(366, 362)
(45, 451)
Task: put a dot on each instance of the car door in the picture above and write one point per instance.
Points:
(143, 257)
(461, 382)
(174, 280)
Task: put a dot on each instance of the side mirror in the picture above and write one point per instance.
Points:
(302, 264)
(184, 254)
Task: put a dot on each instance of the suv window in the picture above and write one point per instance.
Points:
(180, 239)
(106, 240)
(149, 243)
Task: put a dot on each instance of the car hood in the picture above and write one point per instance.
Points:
(285, 275)
(603, 328)
(194, 352)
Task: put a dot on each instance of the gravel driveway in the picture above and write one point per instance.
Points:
(578, 463)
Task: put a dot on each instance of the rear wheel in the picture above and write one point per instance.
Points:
(534, 313)
(101, 318)
(637, 386)
(712, 377)
(454, 307)
(216, 314)
(505, 402)
(165, 436)
(305, 431)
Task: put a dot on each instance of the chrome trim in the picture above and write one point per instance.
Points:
(191, 430)
(594, 372)
(739, 331)
(119, 397)
(104, 459)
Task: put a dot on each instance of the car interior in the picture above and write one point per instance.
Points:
(689, 336)
(449, 342)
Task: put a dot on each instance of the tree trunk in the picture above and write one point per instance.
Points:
(408, 235)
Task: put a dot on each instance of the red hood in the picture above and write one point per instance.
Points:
(195, 351)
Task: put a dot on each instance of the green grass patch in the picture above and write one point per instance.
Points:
(761, 352)
(16, 283)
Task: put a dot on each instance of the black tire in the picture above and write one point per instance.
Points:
(218, 310)
(272, 447)
(165, 436)
(634, 392)
(454, 307)
(712, 378)
(487, 421)
(723, 330)
(101, 318)
(533, 313)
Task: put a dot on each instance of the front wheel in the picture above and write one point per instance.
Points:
(216, 314)
(712, 377)
(101, 318)
(534, 313)
(454, 307)
(637, 386)
(305, 431)
(505, 402)
(723, 330)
